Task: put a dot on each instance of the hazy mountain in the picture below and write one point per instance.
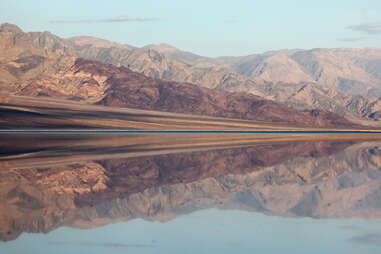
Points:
(41, 64)
(97, 42)
(26, 58)
(170, 65)
(184, 56)
(355, 71)
(159, 65)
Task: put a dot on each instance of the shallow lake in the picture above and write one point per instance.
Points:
(136, 194)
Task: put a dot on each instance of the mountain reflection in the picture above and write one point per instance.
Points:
(87, 182)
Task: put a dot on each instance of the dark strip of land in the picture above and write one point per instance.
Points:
(183, 132)
(42, 115)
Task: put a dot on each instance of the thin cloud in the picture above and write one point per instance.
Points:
(359, 14)
(370, 28)
(108, 20)
(352, 39)
(370, 239)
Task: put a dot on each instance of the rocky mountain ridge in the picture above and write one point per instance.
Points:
(33, 49)
(41, 64)
(354, 71)
(289, 88)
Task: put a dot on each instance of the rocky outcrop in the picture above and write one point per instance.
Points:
(39, 64)
(132, 90)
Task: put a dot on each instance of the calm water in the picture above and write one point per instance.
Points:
(210, 231)
(127, 194)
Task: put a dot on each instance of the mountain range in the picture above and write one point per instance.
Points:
(348, 84)
(354, 71)
(42, 64)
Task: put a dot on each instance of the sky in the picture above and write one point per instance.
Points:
(210, 28)
(210, 231)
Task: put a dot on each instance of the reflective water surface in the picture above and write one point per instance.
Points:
(176, 194)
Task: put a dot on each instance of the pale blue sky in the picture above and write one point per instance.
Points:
(211, 28)
(210, 231)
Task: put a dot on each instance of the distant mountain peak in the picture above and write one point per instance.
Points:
(97, 42)
(6, 27)
(162, 48)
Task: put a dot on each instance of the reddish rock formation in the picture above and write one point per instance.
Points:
(130, 89)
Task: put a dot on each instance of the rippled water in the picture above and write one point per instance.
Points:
(143, 194)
